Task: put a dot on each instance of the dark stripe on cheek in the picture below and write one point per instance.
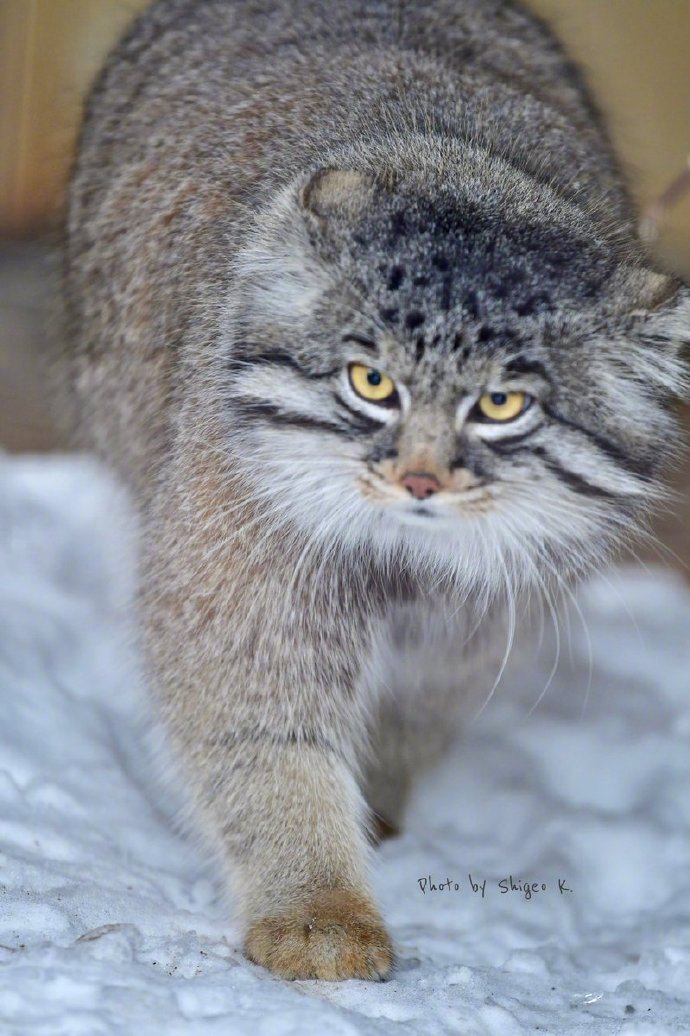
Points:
(275, 358)
(570, 478)
(361, 421)
(258, 411)
(503, 445)
(612, 450)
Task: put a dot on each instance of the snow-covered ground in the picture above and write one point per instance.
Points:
(108, 919)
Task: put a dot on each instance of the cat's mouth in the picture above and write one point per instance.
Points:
(445, 506)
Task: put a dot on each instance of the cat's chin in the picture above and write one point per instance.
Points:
(429, 519)
(432, 536)
(434, 521)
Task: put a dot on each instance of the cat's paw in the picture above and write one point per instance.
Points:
(335, 935)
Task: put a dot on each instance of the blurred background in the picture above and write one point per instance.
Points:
(636, 55)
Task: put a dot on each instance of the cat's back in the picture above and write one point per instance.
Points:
(255, 82)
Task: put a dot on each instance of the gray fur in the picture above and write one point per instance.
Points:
(264, 194)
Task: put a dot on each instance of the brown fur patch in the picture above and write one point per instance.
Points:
(336, 935)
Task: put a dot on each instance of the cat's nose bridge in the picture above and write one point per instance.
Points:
(425, 447)
(419, 458)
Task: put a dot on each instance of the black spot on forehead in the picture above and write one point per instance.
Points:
(459, 250)
(396, 276)
(399, 225)
(531, 304)
(390, 314)
(415, 318)
(471, 305)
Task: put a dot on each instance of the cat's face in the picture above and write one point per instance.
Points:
(462, 376)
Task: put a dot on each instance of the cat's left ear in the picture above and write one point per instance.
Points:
(663, 309)
(335, 192)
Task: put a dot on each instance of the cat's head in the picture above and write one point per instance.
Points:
(451, 365)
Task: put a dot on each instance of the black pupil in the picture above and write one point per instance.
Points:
(499, 398)
(374, 377)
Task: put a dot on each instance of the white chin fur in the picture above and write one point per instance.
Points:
(310, 491)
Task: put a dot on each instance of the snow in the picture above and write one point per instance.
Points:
(109, 921)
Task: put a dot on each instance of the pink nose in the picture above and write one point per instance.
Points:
(420, 484)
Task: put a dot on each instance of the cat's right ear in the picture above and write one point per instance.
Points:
(332, 193)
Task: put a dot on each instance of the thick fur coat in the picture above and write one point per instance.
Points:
(268, 200)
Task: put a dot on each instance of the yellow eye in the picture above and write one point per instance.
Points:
(371, 384)
(502, 406)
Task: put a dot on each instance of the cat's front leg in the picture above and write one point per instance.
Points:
(291, 818)
(305, 888)
(262, 700)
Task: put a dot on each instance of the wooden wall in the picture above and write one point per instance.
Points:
(49, 52)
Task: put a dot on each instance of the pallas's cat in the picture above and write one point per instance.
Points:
(358, 312)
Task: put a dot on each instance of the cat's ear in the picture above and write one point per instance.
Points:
(663, 307)
(656, 289)
(335, 192)
(658, 332)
